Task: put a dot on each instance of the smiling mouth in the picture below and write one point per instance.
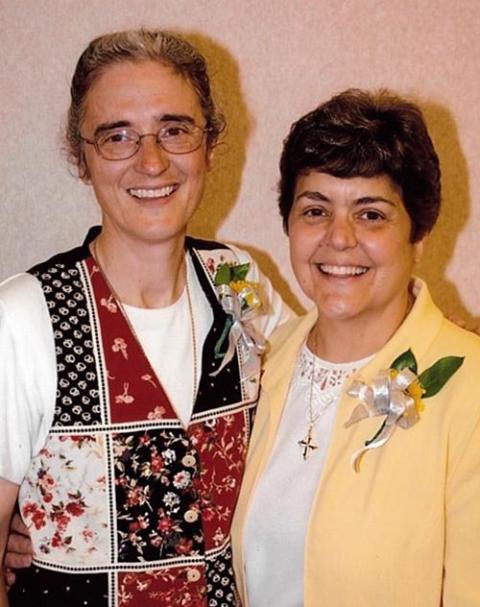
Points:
(142, 193)
(331, 270)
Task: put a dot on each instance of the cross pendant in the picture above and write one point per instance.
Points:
(308, 444)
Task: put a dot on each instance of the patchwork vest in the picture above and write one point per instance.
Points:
(126, 507)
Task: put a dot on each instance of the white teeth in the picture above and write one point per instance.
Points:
(157, 193)
(342, 270)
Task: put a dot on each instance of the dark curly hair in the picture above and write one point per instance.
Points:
(137, 45)
(361, 134)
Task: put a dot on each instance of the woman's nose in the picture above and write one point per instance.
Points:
(341, 233)
(151, 158)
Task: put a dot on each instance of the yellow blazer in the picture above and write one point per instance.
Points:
(405, 530)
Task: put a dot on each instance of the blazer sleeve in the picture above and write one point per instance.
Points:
(462, 542)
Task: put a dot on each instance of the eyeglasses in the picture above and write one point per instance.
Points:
(123, 143)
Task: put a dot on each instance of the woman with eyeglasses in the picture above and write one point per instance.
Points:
(129, 365)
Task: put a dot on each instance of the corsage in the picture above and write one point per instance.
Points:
(241, 302)
(398, 394)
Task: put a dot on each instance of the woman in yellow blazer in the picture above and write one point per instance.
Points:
(363, 480)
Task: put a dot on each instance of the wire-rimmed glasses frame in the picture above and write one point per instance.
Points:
(124, 142)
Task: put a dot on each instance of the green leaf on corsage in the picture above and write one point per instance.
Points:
(406, 360)
(222, 275)
(435, 377)
(227, 273)
(240, 271)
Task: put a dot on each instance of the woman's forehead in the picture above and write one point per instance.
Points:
(128, 87)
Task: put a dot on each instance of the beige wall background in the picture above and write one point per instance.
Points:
(271, 61)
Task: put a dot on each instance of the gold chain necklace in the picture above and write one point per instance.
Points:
(308, 444)
(194, 336)
(327, 398)
(94, 252)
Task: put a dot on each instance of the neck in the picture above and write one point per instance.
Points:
(342, 341)
(144, 275)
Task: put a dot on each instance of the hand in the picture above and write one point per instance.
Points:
(8, 578)
(19, 547)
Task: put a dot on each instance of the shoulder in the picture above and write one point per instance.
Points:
(220, 248)
(461, 394)
(452, 340)
(450, 330)
(21, 299)
(459, 403)
(295, 329)
(455, 407)
(213, 254)
(25, 323)
(205, 245)
(70, 257)
(242, 254)
(286, 341)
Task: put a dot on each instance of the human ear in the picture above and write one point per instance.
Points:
(419, 247)
(210, 154)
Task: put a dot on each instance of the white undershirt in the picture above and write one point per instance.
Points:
(165, 335)
(276, 524)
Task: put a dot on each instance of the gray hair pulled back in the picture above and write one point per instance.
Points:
(137, 45)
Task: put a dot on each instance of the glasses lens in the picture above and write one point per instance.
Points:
(118, 144)
(180, 137)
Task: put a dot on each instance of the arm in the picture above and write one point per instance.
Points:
(27, 374)
(27, 394)
(18, 552)
(9, 493)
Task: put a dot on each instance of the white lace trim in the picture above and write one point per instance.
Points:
(328, 380)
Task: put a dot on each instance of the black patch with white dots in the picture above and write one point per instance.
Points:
(77, 396)
(35, 587)
(221, 589)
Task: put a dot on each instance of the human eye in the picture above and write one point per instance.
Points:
(314, 212)
(372, 216)
(175, 130)
(117, 137)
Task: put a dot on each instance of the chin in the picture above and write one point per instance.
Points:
(336, 316)
(335, 308)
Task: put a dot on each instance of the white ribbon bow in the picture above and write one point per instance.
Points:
(387, 396)
(241, 307)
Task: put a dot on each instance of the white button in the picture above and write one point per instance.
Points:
(193, 575)
(189, 461)
(191, 516)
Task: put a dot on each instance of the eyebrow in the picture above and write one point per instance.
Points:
(108, 126)
(176, 118)
(312, 195)
(118, 124)
(318, 196)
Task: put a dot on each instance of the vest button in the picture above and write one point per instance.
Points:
(189, 461)
(191, 516)
(193, 575)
